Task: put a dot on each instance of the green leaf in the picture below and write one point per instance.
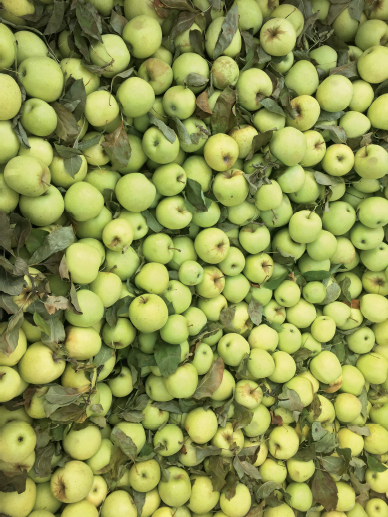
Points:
(56, 19)
(10, 284)
(57, 240)
(228, 30)
(35, 239)
(41, 323)
(75, 97)
(152, 222)
(195, 196)
(211, 381)
(223, 119)
(167, 131)
(338, 133)
(67, 128)
(117, 21)
(43, 458)
(375, 465)
(89, 19)
(167, 357)
(104, 354)
(272, 106)
(267, 489)
(290, 399)
(13, 483)
(124, 442)
(6, 232)
(139, 501)
(195, 80)
(332, 293)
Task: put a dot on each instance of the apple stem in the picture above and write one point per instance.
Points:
(176, 249)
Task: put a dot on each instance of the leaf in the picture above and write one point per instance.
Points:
(124, 442)
(230, 486)
(202, 102)
(35, 239)
(325, 179)
(195, 80)
(10, 284)
(211, 381)
(117, 147)
(42, 465)
(334, 465)
(118, 308)
(348, 70)
(356, 8)
(267, 489)
(13, 484)
(210, 450)
(6, 232)
(218, 472)
(241, 416)
(61, 396)
(329, 116)
(375, 465)
(41, 323)
(195, 196)
(272, 106)
(222, 118)
(104, 354)
(290, 399)
(72, 160)
(167, 131)
(361, 431)
(273, 283)
(324, 490)
(139, 500)
(337, 133)
(21, 231)
(117, 22)
(258, 142)
(75, 97)
(227, 317)
(10, 337)
(55, 241)
(67, 128)
(255, 311)
(245, 468)
(167, 357)
(152, 222)
(196, 41)
(182, 132)
(89, 19)
(228, 30)
(332, 293)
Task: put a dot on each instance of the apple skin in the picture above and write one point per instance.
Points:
(118, 503)
(203, 498)
(135, 192)
(326, 367)
(113, 52)
(251, 86)
(42, 78)
(157, 73)
(11, 99)
(45, 209)
(371, 65)
(158, 148)
(288, 145)
(144, 34)
(177, 490)
(212, 245)
(134, 103)
(91, 307)
(83, 262)
(29, 45)
(148, 313)
(239, 504)
(27, 175)
(278, 37)
(19, 504)
(334, 93)
(72, 67)
(72, 482)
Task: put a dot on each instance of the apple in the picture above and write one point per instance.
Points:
(345, 27)
(278, 37)
(373, 366)
(288, 145)
(306, 70)
(334, 93)
(264, 338)
(323, 329)
(201, 425)
(45, 501)
(27, 175)
(134, 103)
(148, 312)
(73, 482)
(157, 73)
(11, 99)
(221, 152)
(367, 64)
(350, 440)
(176, 490)
(82, 444)
(300, 471)
(38, 117)
(339, 219)
(83, 262)
(197, 169)
(290, 339)
(326, 367)
(92, 310)
(347, 407)
(225, 71)
(260, 364)
(203, 497)
(283, 510)
(252, 86)
(212, 35)
(117, 502)
(230, 187)
(179, 102)
(248, 393)
(190, 62)
(158, 148)
(82, 343)
(370, 161)
(308, 111)
(101, 108)
(314, 292)
(135, 192)
(41, 77)
(154, 417)
(239, 504)
(143, 34)
(325, 57)
(18, 441)
(10, 141)
(301, 496)
(43, 210)
(112, 54)
(283, 442)
(28, 45)
(191, 273)
(327, 414)
(8, 47)
(338, 160)
(203, 358)
(19, 504)
(51, 367)
(232, 348)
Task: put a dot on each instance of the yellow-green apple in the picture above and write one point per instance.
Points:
(42, 78)
(221, 152)
(278, 36)
(148, 312)
(252, 86)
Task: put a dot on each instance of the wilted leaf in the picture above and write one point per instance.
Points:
(89, 19)
(324, 490)
(290, 399)
(67, 127)
(42, 465)
(6, 232)
(222, 118)
(55, 241)
(228, 30)
(195, 80)
(211, 381)
(125, 443)
(10, 284)
(338, 134)
(13, 484)
(117, 22)
(117, 146)
(255, 311)
(139, 500)
(267, 489)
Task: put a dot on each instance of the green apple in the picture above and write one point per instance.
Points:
(101, 108)
(91, 307)
(316, 149)
(326, 367)
(157, 73)
(50, 367)
(290, 339)
(73, 67)
(273, 470)
(287, 294)
(301, 496)
(169, 179)
(10, 141)
(107, 286)
(59, 176)
(203, 497)
(83, 262)
(148, 313)
(83, 201)
(233, 263)
(339, 219)
(300, 471)
(102, 179)
(252, 86)
(38, 117)
(308, 111)
(11, 100)
(212, 245)
(347, 407)
(305, 226)
(183, 382)
(179, 102)
(175, 331)
(269, 196)
(260, 364)
(363, 96)
(43, 210)
(41, 77)
(338, 160)
(325, 57)
(258, 268)
(355, 124)
(323, 247)
(288, 145)
(112, 54)
(8, 47)
(248, 394)
(239, 504)
(283, 442)
(82, 343)
(117, 235)
(20, 504)
(158, 148)
(278, 36)
(187, 63)
(314, 292)
(65, 41)
(135, 192)
(82, 444)
(291, 179)
(374, 307)
(302, 314)
(303, 78)
(221, 152)
(368, 64)
(153, 277)
(232, 348)
(379, 215)
(143, 34)
(225, 72)
(349, 439)
(373, 366)
(197, 169)
(191, 273)
(73, 482)
(136, 97)
(265, 120)
(27, 175)
(370, 161)
(323, 329)
(18, 441)
(201, 425)
(179, 295)
(334, 93)
(230, 187)
(177, 489)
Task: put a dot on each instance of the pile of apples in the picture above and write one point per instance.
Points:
(194, 258)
